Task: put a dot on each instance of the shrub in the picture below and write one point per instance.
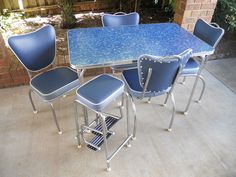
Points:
(68, 18)
(225, 14)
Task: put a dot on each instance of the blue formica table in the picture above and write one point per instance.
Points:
(107, 46)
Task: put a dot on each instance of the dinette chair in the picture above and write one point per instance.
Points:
(211, 34)
(119, 19)
(153, 77)
(36, 51)
(96, 95)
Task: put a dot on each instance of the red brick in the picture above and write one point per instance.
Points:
(195, 13)
(185, 26)
(188, 13)
(210, 13)
(203, 13)
(208, 6)
(189, 20)
(191, 27)
(208, 19)
(193, 6)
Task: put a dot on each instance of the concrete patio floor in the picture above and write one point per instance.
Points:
(224, 70)
(202, 144)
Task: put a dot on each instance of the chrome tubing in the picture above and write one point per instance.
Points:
(173, 111)
(31, 101)
(55, 118)
(77, 124)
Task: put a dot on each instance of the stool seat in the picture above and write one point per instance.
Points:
(100, 91)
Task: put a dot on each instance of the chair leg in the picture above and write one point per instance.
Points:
(85, 116)
(203, 89)
(128, 123)
(149, 100)
(167, 97)
(173, 112)
(77, 124)
(97, 119)
(135, 116)
(31, 101)
(104, 130)
(121, 106)
(191, 95)
(113, 71)
(55, 119)
(183, 81)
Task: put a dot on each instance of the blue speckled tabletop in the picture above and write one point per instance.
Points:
(94, 47)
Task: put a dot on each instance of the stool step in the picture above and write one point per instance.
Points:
(98, 139)
(110, 121)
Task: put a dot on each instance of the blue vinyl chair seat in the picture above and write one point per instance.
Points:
(131, 78)
(100, 91)
(191, 68)
(53, 83)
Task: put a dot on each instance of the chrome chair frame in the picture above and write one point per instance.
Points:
(41, 71)
(169, 93)
(203, 61)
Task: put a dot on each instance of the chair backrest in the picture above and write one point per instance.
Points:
(210, 33)
(118, 19)
(35, 50)
(164, 70)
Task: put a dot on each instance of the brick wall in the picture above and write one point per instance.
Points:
(11, 71)
(188, 11)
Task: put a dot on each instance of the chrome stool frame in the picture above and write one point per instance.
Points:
(100, 127)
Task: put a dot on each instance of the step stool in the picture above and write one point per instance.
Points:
(96, 95)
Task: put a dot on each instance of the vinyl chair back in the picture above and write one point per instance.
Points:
(158, 74)
(41, 45)
(155, 76)
(119, 19)
(209, 33)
